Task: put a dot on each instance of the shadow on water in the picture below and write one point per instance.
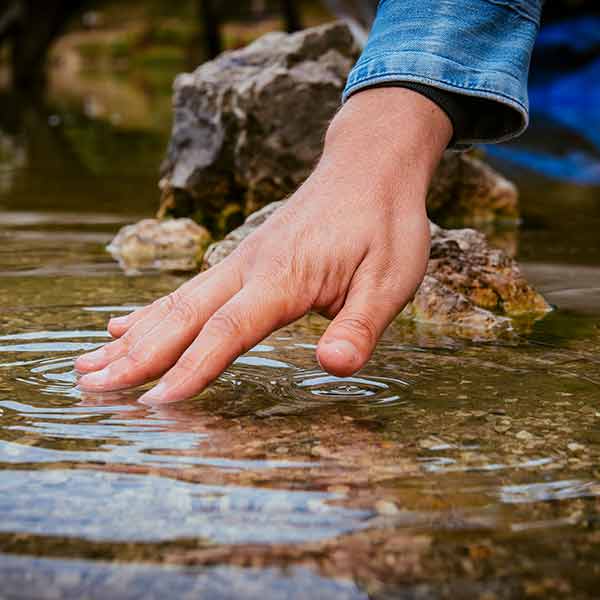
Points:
(443, 470)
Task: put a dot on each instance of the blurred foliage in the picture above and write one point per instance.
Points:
(136, 34)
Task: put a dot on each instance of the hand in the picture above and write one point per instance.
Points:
(352, 243)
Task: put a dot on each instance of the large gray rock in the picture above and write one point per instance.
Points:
(249, 126)
(250, 123)
(471, 288)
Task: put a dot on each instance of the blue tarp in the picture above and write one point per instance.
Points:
(566, 100)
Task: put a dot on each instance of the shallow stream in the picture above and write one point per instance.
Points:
(445, 469)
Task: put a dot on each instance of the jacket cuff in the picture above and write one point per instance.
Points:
(477, 49)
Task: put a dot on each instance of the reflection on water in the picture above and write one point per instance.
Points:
(96, 580)
(149, 508)
(443, 470)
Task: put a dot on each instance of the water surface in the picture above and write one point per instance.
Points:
(445, 469)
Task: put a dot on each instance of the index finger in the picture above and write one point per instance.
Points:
(240, 324)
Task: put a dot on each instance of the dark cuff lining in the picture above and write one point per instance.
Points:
(472, 117)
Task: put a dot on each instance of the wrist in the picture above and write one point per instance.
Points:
(389, 128)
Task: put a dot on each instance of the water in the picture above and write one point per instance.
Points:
(444, 470)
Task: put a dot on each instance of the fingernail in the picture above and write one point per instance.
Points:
(93, 380)
(92, 357)
(319, 361)
(119, 320)
(155, 394)
(95, 355)
(344, 349)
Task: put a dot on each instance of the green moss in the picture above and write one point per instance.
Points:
(91, 52)
(128, 43)
(159, 57)
(170, 33)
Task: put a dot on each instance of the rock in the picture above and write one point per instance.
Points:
(462, 260)
(385, 508)
(249, 127)
(250, 123)
(169, 245)
(467, 191)
(437, 304)
(472, 288)
(502, 426)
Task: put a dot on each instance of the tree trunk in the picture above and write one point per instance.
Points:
(291, 14)
(37, 27)
(211, 27)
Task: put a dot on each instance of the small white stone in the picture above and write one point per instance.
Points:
(386, 508)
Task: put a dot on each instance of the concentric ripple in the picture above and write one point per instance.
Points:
(321, 385)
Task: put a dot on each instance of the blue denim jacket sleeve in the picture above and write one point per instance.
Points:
(477, 48)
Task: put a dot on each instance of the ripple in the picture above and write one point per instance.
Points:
(53, 372)
(104, 433)
(54, 376)
(548, 491)
(321, 385)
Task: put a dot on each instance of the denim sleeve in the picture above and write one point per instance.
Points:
(478, 49)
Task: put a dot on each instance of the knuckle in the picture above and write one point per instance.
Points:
(227, 324)
(280, 266)
(249, 246)
(135, 368)
(160, 305)
(138, 359)
(181, 308)
(169, 302)
(360, 325)
(187, 366)
(119, 347)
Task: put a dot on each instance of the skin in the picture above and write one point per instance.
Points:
(352, 244)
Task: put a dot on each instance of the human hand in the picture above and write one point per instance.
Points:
(352, 243)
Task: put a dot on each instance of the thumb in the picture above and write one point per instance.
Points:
(347, 344)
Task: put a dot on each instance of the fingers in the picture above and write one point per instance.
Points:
(244, 321)
(118, 326)
(140, 322)
(347, 344)
(140, 357)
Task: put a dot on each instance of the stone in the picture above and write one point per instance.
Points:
(462, 260)
(167, 245)
(502, 427)
(249, 128)
(439, 305)
(250, 123)
(467, 191)
(524, 435)
(476, 290)
(386, 508)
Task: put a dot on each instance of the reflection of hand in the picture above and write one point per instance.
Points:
(351, 243)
